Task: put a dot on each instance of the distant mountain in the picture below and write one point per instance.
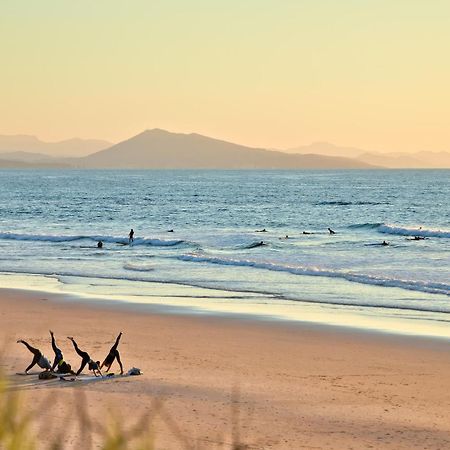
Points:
(399, 160)
(67, 148)
(26, 156)
(160, 149)
(325, 148)
(11, 164)
(393, 160)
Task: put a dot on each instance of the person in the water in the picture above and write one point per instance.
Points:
(261, 231)
(131, 236)
(331, 231)
(112, 356)
(385, 243)
(86, 359)
(38, 357)
(63, 367)
(99, 244)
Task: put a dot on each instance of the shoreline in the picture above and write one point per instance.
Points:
(191, 301)
(99, 305)
(300, 385)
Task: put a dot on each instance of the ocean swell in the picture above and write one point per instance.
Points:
(95, 238)
(412, 231)
(413, 285)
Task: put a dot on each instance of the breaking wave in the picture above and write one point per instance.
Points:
(95, 238)
(413, 231)
(401, 230)
(422, 286)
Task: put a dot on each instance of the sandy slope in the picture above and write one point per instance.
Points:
(298, 386)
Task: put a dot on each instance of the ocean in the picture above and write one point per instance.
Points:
(51, 221)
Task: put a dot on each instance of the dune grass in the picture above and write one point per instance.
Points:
(22, 427)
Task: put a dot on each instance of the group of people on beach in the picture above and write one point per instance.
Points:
(60, 366)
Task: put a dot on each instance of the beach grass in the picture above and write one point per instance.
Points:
(23, 428)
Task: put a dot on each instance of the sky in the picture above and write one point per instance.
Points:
(277, 74)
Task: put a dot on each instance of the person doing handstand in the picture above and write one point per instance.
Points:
(38, 357)
(86, 359)
(112, 355)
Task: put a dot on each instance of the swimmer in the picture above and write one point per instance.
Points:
(99, 244)
(385, 243)
(86, 359)
(307, 232)
(38, 357)
(170, 231)
(112, 356)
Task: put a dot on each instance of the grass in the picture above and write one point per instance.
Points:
(21, 427)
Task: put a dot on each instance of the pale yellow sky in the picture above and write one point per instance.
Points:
(367, 73)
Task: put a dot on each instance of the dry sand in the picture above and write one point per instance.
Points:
(295, 386)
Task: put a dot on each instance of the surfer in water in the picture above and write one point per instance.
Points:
(261, 231)
(38, 357)
(63, 367)
(112, 356)
(99, 244)
(131, 236)
(86, 359)
(385, 243)
(331, 231)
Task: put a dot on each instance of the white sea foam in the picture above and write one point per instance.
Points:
(413, 231)
(138, 267)
(94, 238)
(423, 286)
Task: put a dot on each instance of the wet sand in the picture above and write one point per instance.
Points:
(208, 379)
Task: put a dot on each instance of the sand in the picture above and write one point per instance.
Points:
(283, 386)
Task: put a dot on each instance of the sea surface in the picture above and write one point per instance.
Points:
(51, 221)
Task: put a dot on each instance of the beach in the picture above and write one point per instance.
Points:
(212, 380)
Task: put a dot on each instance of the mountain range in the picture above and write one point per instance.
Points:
(391, 160)
(160, 149)
(63, 149)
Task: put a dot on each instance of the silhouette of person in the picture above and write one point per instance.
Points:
(38, 357)
(86, 359)
(331, 231)
(131, 236)
(112, 356)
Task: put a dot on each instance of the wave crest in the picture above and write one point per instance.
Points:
(71, 238)
(422, 286)
(412, 231)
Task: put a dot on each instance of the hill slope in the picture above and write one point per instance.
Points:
(160, 149)
(68, 148)
(419, 160)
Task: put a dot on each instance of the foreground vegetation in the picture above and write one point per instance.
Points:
(22, 429)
